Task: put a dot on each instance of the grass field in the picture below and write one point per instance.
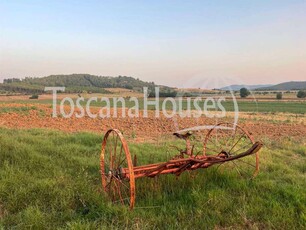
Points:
(297, 107)
(19, 110)
(50, 179)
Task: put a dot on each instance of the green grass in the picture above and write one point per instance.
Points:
(243, 106)
(20, 110)
(50, 179)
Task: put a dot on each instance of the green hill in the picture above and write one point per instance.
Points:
(74, 83)
(291, 85)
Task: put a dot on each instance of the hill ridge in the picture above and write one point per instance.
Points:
(75, 83)
(290, 85)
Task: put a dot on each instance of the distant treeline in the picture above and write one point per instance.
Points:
(168, 93)
(75, 83)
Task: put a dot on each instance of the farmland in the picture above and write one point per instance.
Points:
(153, 115)
(51, 179)
(50, 171)
(251, 105)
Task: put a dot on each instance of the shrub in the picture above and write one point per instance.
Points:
(163, 94)
(244, 92)
(34, 96)
(279, 96)
(301, 94)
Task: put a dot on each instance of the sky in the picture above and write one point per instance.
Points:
(176, 43)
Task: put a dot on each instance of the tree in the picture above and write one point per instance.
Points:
(279, 96)
(244, 92)
(301, 94)
(34, 96)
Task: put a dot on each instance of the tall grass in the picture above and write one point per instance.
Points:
(51, 180)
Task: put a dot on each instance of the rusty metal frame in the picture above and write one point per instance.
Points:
(173, 166)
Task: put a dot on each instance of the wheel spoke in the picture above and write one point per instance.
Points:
(122, 183)
(246, 173)
(246, 163)
(119, 191)
(115, 150)
(109, 183)
(126, 194)
(231, 138)
(119, 158)
(110, 156)
(241, 148)
(234, 142)
(122, 161)
(236, 168)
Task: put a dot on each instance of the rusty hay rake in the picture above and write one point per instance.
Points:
(224, 143)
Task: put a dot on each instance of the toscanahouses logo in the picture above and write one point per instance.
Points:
(180, 106)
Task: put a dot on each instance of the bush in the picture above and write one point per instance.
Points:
(163, 94)
(34, 96)
(301, 94)
(279, 96)
(244, 92)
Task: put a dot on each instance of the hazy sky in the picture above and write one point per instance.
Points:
(178, 43)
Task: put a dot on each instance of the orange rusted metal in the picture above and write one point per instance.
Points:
(118, 172)
(106, 174)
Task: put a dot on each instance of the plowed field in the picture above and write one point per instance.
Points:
(26, 116)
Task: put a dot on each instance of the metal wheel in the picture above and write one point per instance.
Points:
(228, 140)
(117, 169)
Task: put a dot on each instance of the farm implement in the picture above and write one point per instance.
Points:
(223, 144)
